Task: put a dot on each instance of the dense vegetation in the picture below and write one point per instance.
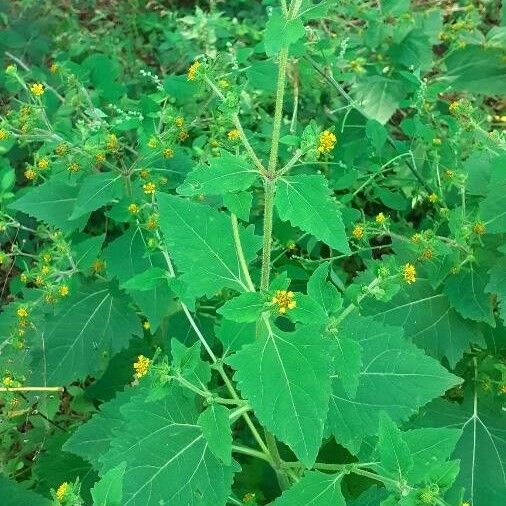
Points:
(252, 252)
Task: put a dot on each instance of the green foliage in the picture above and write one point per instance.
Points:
(252, 253)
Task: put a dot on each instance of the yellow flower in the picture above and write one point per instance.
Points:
(141, 367)
(223, 84)
(152, 222)
(179, 121)
(49, 299)
(30, 174)
(100, 157)
(409, 273)
(61, 491)
(357, 65)
(437, 141)
(454, 107)
(168, 153)
(427, 254)
(146, 325)
(10, 69)
(327, 141)
(39, 281)
(144, 173)
(449, 174)
(53, 68)
(43, 163)
(112, 143)
(358, 232)
(192, 71)
(250, 496)
(183, 135)
(74, 167)
(45, 270)
(380, 218)
(416, 238)
(153, 142)
(98, 266)
(63, 290)
(22, 312)
(433, 198)
(479, 228)
(3, 257)
(466, 503)
(23, 277)
(61, 149)
(233, 135)
(284, 300)
(3, 134)
(502, 388)
(37, 89)
(133, 208)
(8, 381)
(149, 188)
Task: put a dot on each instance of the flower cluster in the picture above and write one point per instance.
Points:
(285, 300)
(327, 141)
(141, 366)
(192, 71)
(409, 273)
(37, 89)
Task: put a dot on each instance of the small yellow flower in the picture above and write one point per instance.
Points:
(358, 232)
(133, 208)
(39, 281)
(45, 270)
(357, 65)
(3, 257)
(433, 198)
(183, 135)
(141, 367)
(416, 238)
(61, 149)
(284, 300)
(43, 163)
(74, 167)
(409, 273)
(149, 188)
(37, 89)
(479, 228)
(327, 142)
(380, 218)
(214, 143)
(7, 381)
(250, 496)
(49, 299)
(179, 121)
(466, 503)
(3, 134)
(223, 84)
(192, 71)
(100, 158)
(233, 135)
(112, 143)
(450, 174)
(163, 180)
(153, 142)
(23, 278)
(454, 107)
(61, 491)
(168, 153)
(53, 68)
(63, 291)
(30, 174)
(98, 266)
(144, 173)
(437, 141)
(427, 254)
(10, 69)
(152, 222)
(502, 389)
(146, 325)
(22, 312)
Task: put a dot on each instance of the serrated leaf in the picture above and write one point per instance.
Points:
(86, 251)
(466, 293)
(15, 494)
(396, 377)
(314, 489)
(280, 33)
(214, 422)
(96, 191)
(285, 377)
(493, 209)
(52, 202)
(182, 470)
(347, 356)
(245, 308)
(147, 280)
(322, 291)
(497, 286)
(305, 201)
(224, 174)
(239, 203)
(109, 490)
(201, 243)
(234, 335)
(428, 321)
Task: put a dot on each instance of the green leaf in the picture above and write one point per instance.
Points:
(15, 494)
(109, 490)
(96, 191)
(245, 308)
(497, 286)
(200, 241)
(86, 251)
(395, 457)
(378, 97)
(234, 335)
(224, 174)
(182, 470)
(93, 323)
(214, 422)
(466, 293)
(239, 204)
(52, 202)
(347, 355)
(493, 206)
(323, 291)
(396, 377)
(285, 377)
(428, 321)
(280, 33)
(314, 489)
(187, 361)
(147, 280)
(306, 201)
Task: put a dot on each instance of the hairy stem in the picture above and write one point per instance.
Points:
(31, 389)
(240, 253)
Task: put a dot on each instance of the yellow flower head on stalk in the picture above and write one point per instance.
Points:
(179, 121)
(149, 188)
(45, 270)
(63, 291)
(380, 218)
(183, 135)
(416, 238)
(479, 228)
(133, 208)
(8, 381)
(192, 71)
(112, 143)
(144, 173)
(327, 142)
(153, 142)
(152, 222)
(141, 366)
(53, 68)
(30, 174)
(22, 312)
(168, 153)
(466, 503)
(100, 158)
(74, 167)
(285, 300)
(3, 134)
(61, 491)
(37, 89)
(427, 254)
(146, 325)
(233, 135)
(43, 163)
(409, 273)
(3, 257)
(454, 107)
(358, 232)
(98, 266)
(449, 174)
(10, 69)
(502, 389)
(23, 277)
(61, 149)
(223, 84)
(433, 198)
